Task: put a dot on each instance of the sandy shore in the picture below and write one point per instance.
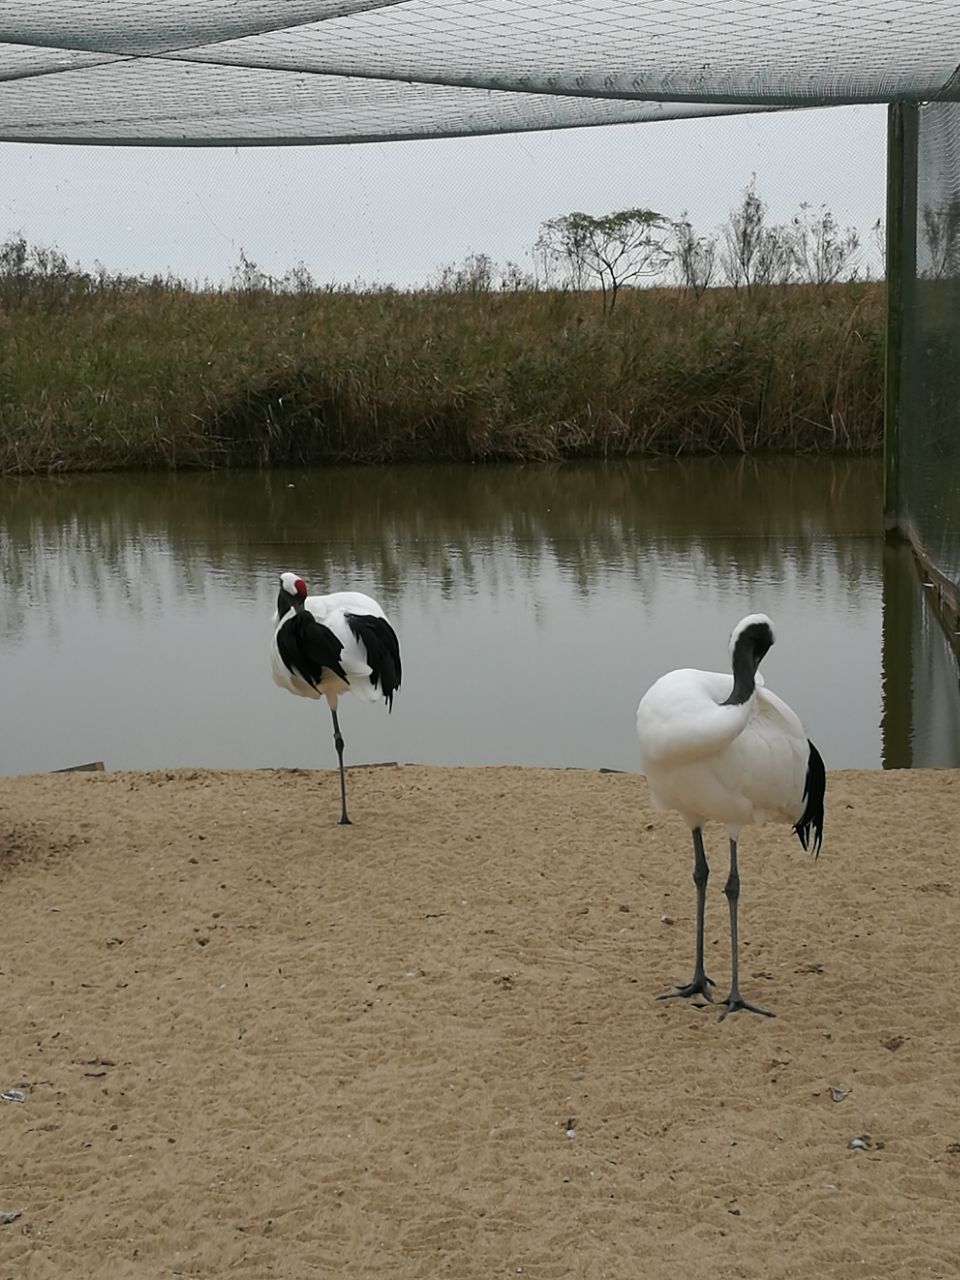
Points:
(253, 1043)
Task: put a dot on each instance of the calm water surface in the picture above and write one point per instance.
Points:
(534, 606)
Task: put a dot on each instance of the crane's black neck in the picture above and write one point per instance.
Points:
(748, 650)
(287, 601)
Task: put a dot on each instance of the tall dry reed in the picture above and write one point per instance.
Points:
(103, 373)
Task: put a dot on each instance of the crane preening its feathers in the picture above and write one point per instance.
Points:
(722, 748)
(324, 646)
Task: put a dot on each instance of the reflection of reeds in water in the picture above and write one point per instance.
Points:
(443, 529)
(131, 374)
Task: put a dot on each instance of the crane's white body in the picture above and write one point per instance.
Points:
(723, 748)
(713, 762)
(331, 611)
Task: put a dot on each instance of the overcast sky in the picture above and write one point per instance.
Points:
(396, 212)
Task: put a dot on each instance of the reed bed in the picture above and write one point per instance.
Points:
(103, 374)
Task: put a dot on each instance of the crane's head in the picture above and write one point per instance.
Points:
(752, 637)
(293, 592)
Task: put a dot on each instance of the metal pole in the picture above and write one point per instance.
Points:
(902, 138)
(900, 660)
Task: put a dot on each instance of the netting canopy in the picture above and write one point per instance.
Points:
(231, 72)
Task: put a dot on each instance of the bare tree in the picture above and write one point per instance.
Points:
(823, 252)
(776, 261)
(560, 252)
(754, 253)
(741, 239)
(614, 249)
(473, 275)
(298, 280)
(513, 278)
(247, 278)
(695, 256)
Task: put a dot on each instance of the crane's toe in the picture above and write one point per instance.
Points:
(699, 986)
(735, 1002)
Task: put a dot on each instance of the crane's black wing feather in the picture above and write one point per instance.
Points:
(383, 652)
(813, 794)
(308, 648)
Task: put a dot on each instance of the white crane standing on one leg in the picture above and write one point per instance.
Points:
(724, 748)
(327, 645)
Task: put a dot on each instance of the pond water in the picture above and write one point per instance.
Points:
(534, 607)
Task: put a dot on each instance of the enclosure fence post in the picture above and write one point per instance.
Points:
(901, 269)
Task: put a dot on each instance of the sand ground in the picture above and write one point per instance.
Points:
(253, 1043)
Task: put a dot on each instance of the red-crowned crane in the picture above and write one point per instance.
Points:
(723, 748)
(327, 645)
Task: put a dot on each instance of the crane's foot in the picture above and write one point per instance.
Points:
(699, 985)
(735, 1002)
(345, 821)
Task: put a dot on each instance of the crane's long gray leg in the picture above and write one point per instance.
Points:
(699, 984)
(734, 1000)
(338, 743)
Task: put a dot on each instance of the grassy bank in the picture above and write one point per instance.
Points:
(112, 374)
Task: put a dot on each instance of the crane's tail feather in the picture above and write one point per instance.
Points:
(383, 652)
(813, 793)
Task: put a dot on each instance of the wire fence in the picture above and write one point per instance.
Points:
(923, 476)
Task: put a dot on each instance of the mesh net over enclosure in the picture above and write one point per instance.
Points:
(929, 409)
(242, 72)
(273, 71)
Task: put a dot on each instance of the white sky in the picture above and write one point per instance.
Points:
(396, 212)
